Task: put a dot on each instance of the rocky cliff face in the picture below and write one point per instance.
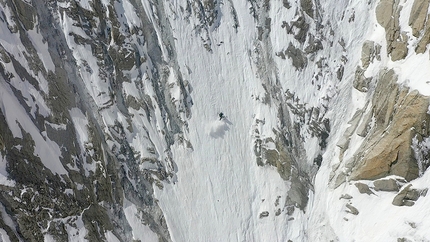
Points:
(97, 102)
(64, 66)
(395, 116)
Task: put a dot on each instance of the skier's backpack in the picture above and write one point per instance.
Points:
(221, 116)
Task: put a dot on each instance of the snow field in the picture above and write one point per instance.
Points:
(220, 191)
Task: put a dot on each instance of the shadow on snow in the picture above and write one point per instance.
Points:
(218, 128)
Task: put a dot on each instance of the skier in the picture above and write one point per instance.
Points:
(221, 116)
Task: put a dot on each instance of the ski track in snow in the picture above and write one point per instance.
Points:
(217, 191)
(220, 190)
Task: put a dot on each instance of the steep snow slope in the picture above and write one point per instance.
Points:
(220, 191)
(220, 188)
(342, 214)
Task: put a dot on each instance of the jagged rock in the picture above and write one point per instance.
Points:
(299, 28)
(412, 224)
(343, 142)
(297, 56)
(388, 185)
(366, 123)
(264, 31)
(308, 7)
(275, 152)
(106, 30)
(297, 195)
(363, 188)
(210, 10)
(361, 82)
(258, 151)
(424, 41)
(26, 14)
(318, 160)
(351, 209)
(398, 115)
(387, 15)
(408, 195)
(277, 201)
(340, 178)
(314, 45)
(418, 16)
(369, 51)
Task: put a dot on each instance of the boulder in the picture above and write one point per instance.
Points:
(387, 185)
(351, 209)
(363, 188)
(408, 195)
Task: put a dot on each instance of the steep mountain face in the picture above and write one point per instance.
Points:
(109, 126)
